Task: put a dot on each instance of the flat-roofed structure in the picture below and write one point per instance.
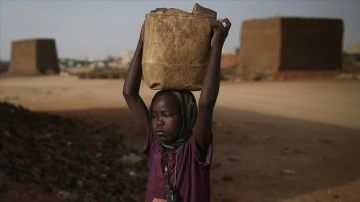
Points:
(34, 56)
(280, 44)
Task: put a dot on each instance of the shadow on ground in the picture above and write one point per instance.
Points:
(263, 158)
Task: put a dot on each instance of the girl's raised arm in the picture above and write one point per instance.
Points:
(211, 84)
(132, 86)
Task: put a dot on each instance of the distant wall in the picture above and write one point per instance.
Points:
(23, 57)
(260, 48)
(289, 44)
(34, 56)
(228, 60)
(311, 44)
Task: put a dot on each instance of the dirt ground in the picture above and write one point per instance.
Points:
(289, 141)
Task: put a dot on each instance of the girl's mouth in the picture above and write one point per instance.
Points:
(160, 133)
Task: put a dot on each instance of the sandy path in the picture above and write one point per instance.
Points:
(324, 102)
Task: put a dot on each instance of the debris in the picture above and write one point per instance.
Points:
(325, 141)
(7, 134)
(227, 178)
(132, 173)
(232, 159)
(131, 158)
(63, 155)
(288, 172)
(4, 188)
(63, 194)
(288, 150)
(215, 165)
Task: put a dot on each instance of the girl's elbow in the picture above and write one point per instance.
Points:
(127, 93)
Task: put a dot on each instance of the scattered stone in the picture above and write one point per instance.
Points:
(63, 194)
(131, 159)
(7, 134)
(227, 178)
(232, 159)
(80, 183)
(31, 192)
(215, 165)
(288, 150)
(132, 173)
(98, 155)
(325, 141)
(288, 172)
(4, 188)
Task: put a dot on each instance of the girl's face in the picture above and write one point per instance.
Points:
(166, 118)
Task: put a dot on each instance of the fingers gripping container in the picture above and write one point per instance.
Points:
(176, 49)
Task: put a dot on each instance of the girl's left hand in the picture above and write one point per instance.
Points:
(220, 29)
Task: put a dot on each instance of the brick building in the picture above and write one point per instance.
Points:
(279, 44)
(34, 56)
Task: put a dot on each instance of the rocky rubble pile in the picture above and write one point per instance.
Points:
(68, 158)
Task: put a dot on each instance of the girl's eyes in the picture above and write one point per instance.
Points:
(161, 115)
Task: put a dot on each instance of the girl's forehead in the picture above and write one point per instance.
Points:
(165, 101)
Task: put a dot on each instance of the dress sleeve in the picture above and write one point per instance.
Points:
(206, 160)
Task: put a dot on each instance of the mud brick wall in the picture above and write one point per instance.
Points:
(47, 60)
(34, 56)
(311, 44)
(260, 47)
(23, 57)
(289, 44)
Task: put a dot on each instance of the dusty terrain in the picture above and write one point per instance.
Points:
(274, 141)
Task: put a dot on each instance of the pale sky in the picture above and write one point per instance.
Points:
(101, 28)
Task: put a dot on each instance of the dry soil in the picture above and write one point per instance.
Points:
(274, 140)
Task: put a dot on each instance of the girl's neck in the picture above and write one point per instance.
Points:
(166, 150)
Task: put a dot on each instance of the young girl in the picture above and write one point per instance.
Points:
(179, 133)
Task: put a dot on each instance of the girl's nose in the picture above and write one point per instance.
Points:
(159, 121)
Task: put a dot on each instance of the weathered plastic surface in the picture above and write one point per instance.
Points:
(176, 50)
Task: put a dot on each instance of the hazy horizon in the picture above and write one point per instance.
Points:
(99, 29)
